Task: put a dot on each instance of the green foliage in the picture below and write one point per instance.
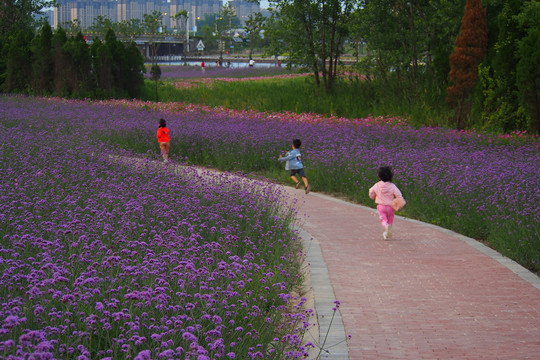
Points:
(79, 64)
(18, 61)
(43, 61)
(60, 62)
(528, 67)
(403, 36)
(313, 34)
(155, 73)
(253, 28)
(353, 97)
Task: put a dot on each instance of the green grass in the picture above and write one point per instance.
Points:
(422, 105)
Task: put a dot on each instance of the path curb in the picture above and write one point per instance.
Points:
(331, 328)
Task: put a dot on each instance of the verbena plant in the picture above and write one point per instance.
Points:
(104, 258)
(477, 184)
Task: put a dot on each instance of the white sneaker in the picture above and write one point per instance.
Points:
(385, 233)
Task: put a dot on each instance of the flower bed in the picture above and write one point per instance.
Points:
(106, 260)
(481, 185)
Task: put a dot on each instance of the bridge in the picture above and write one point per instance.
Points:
(169, 46)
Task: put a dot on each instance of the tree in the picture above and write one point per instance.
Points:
(470, 49)
(272, 36)
(43, 61)
(528, 67)
(16, 14)
(155, 73)
(135, 70)
(130, 28)
(183, 16)
(500, 105)
(78, 63)
(313, 33)
(103, 66)
(408, 38)
(101, 25)
(17, 18)
(61, 62)
(253, 27)
(152, 23)
(223, 25)
(18, 60)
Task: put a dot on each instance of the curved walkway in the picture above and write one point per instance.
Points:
(428, 293)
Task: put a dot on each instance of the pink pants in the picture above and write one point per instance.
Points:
(386, 214)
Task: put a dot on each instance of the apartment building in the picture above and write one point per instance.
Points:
(85, 12)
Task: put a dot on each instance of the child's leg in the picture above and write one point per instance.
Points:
(164, 150)
(306, 184)
(386, 217)
(167, 149)
(293, 177)
(383, 215)
(390, 216)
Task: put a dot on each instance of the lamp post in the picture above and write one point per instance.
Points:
(187, 32)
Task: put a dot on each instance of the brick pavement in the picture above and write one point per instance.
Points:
(427, 293)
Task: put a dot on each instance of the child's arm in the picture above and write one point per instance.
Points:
(372, 193)
(397, 193)
(287, 157)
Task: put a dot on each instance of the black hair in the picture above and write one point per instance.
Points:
(162, 123)
(385, 173)
(297, 143)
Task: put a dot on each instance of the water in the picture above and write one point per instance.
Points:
(212, 63)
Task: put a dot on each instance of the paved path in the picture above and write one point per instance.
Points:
(427, 293)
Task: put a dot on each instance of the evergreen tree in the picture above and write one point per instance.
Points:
(528, 67)
(470, 49)
(18, 61)
(103, 67)
(16, 24)
(43, 61)
(78, 58)
(61, 62)
(135, 70)
(499, 103)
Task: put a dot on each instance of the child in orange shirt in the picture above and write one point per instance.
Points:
(163, 139)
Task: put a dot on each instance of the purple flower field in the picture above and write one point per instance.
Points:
(103, 259)
(481, 185)
(190, 72)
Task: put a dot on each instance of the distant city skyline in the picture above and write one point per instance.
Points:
(85, 12)
(264, 5)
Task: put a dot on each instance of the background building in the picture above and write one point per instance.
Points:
(85, 12)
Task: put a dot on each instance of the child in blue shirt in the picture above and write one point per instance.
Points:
(294, 164)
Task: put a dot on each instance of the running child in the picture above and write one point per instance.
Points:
(383, 193)
(294, 164)
(163, 139)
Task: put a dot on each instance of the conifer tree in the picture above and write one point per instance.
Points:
(43, 65)
(18, 61)
(470, 48)
(61, 62)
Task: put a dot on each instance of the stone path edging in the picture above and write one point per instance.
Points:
(332, 335)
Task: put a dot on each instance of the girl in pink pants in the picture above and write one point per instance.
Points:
(388, 199)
